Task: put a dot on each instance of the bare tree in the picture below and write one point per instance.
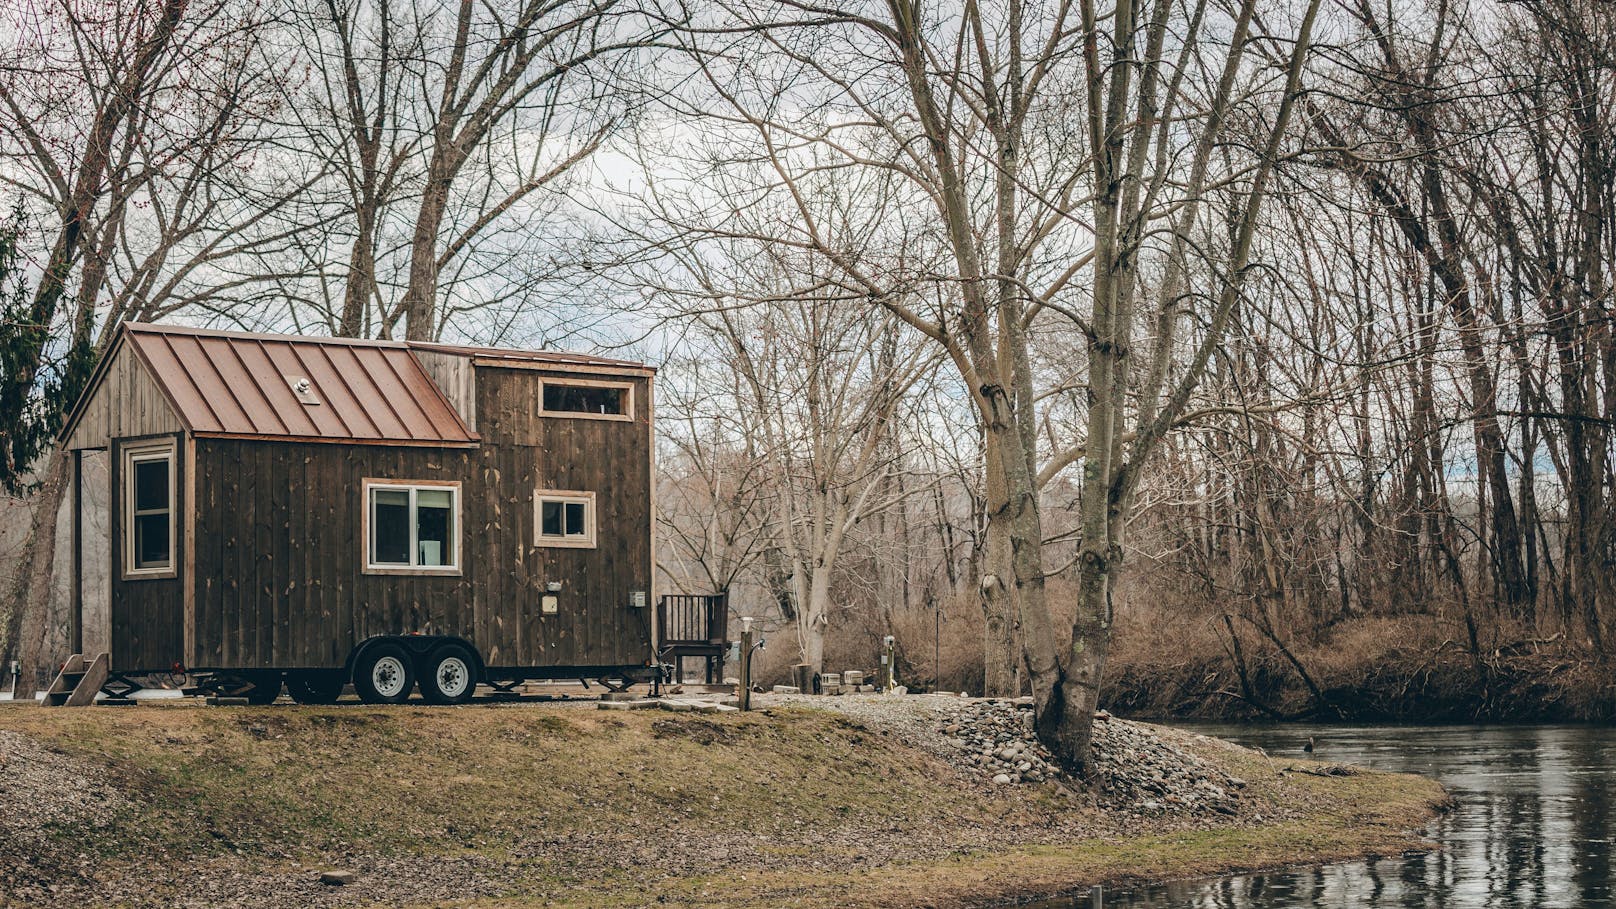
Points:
(1013, 155)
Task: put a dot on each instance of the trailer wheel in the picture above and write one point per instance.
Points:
(384, 675)
(266, 687)
(448, 674)
(314, 687)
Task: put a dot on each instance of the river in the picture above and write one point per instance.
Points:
(1532, 830)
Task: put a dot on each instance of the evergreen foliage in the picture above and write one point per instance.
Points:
(36, 390)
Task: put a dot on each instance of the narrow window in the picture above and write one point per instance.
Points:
(565, 518)
(149, 509)
(595, 399)
(412, 527)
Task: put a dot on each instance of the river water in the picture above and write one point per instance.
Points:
(1533, 828)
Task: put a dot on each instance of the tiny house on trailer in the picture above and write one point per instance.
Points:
(257, 509)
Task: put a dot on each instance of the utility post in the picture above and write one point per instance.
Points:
(889, 653)
(746, 663)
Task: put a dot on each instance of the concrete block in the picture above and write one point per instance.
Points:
(678, 706)
(227, 702)
(853, 677)
(620, 696)
(726, 708)
(787, 689)
(338, 878)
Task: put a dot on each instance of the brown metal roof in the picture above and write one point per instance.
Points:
(558, 357)
(238, 384)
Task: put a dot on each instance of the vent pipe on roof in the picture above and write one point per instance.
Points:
(304, 389)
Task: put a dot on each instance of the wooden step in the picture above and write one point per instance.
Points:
(78, 682)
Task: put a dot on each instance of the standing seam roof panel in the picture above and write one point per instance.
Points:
(237, 384)
(368, 393)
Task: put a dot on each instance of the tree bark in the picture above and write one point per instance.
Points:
(28, 599)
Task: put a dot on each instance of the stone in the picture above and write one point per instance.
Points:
(1002, 779)
(787, 689)
(899, 690)
(726, 708)
(336, 878)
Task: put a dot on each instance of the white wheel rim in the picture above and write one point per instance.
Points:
(454, 676)
(388, 677)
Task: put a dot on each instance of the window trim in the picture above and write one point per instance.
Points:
(627, 416)
(129, 455)
(412, 486)
(591, 519)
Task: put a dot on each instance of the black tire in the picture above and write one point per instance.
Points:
(315, 686)
(266, 687)
(448, 674)
(384, 674)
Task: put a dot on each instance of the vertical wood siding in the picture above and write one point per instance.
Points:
(148, 614)
(126, 403)
(457, 377)
(279, 543)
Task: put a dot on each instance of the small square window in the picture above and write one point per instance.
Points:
(565, 519)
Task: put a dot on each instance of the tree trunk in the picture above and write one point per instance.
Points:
(999, 652)
(28, 600)
(420, 298)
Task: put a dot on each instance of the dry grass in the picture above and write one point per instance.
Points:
(593, 809)
(1177, 662)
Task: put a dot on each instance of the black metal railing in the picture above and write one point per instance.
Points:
(693, 618)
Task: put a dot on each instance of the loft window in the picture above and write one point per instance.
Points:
(149, 510)
(605, 400)
(412, 527)
(565, 519)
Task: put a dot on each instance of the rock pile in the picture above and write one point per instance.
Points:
(1135, 770)
(994, 737)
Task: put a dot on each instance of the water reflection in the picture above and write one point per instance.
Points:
(1532, 831)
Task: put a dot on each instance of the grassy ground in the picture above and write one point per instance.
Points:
(523, 806)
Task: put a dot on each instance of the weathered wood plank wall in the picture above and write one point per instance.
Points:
(280, 548)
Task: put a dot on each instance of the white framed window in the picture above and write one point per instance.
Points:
(588, 398)
(148, 524)
(412, 527)
(564, 518)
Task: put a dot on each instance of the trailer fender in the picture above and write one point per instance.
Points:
(418, 645)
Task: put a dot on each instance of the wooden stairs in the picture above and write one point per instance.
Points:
(78, 682)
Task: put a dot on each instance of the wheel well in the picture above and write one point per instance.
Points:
(417, 645)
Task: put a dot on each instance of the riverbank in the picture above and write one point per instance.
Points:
(523, 806)
(1370, 669)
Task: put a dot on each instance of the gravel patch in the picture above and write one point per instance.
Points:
(991, 740)
(44, 797)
